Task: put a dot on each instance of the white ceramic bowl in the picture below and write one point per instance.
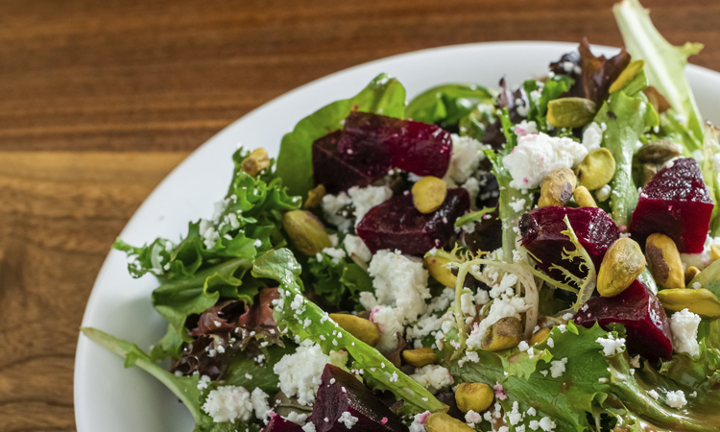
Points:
(110, 398)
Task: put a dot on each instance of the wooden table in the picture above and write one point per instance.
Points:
(99, 100)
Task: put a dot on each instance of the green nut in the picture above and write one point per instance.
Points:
(441, 422)
(597, 169)
(361, 328)
(571, 112)
(474, 397)
(306, 232)
(502, 335)
(700, 301)
(622, 264)
(420, 357)
(436, 266)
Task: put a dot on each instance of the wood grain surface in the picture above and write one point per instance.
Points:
(99, 100)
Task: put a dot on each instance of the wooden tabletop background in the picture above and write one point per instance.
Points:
(99, 100)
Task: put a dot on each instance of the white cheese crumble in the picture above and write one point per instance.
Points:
(297, 418)
(611, 345)
(676, 399)
(503, 307)
(526, 128)
(547, 424)
(300, 373)
(603, 193)
(364, 199)
(653, 394)
(228, 403)
(336, 255)
(354, 245)
(418, 424)
(703, 259)
(684, 326)
(537, 154)
(331, 204)
(592, 136)
(557, 367)
(348, 419)
(309, 427)
(466, 156)
(259, 401)
(389, 326)
(433, 377)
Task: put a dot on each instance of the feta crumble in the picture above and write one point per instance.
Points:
(228, 403)
(389, 326)
(354, 245)
(348, 419)
(684, 326)
(675, 399)
(299, 373)
(557, 367)
(433, 377)
(466, 156)
(611, 345)
(592, 137)
(336, 255)
(653, 394)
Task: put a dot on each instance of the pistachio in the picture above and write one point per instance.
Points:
(622, 264)
(700, 301)
(420, 357)
(442, 422)
(503, 334)
(664, 261)
(571, 112)
(583, 198)
(428, 194)
(597, 169)
(628, 74)
(650, 158)
(436, 266)
(540, 337)
(315, 197)
(714, 252)
(557, 187)
(306, 232)
(474, 396)
(690, 274)
(257, 161)
(361, 328)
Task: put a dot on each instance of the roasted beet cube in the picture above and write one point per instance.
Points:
(642, 314)
(340, 393)
(279, 424)
(337, 174)
(397, 224)
(416, 147)
(541, 231)
(676, 203)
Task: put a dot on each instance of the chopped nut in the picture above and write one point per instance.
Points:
(429, 194)
(597, 169)
(622, 264)
(664, 261)
(583, 197)
(652, 157)
(361, 328)
(474, 397)
(420, 357)
(540, 337)
(690, 274)
(503, 334)
(557, 187)
(700, 301)
(436, 266)
(315, 197)
(306, 232)
(441, 422)
(257, 161)
(571, 112)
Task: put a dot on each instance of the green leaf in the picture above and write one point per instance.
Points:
(384, 95)
(475, 216)
(338, 284)
(307, 321)
(664, 63)
(447, 104)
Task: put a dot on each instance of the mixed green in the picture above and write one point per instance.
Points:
(537, 258)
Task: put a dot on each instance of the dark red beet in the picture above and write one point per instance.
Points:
(396, 224)
(279, 424)
(341, 392)
(676, 203)
(541, 235)
(416, 147)
(337, 174)
(642, 314)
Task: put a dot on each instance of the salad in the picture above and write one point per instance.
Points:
(533, 258)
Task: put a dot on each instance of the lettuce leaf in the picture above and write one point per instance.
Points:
(338, 284)
(384, 95)
(664, 66)
(447, 104)
(303, 318)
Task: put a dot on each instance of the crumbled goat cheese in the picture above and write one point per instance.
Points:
(536, 155)
(472, 185)
(433, 377)
(399, 282)
(203, 382)
(331, 205)
(611, 345)
(653, 394)
(299, 419)
(501, 308)
(467, 304)
(336, 255)
(557, 367)
(228, 403)
(675, 399)
(684, 326)
(259, 401)
(517, 204)
(526, 128)
(309, 427)
(592, 137)
(364, 199)
(354, 245)
(418, 424)
(523, 346)
(389, 326)
(299, 373)
(515, 416)
(703, 259)
(473, 417)
(547, 424)
(333, 240)
(466, 156)
(348, 419)
(603, 193)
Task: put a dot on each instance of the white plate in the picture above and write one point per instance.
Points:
(110, 398)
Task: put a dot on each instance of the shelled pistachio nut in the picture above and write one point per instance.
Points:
(437, 267)
(257, 161)
(315, 196)
(540, 336)
(363, 329)
(690, 274)
(420, 357)
(571, 112)
(700, 301)
(428, 194)
(650, 158)
(622, 264)
(597, 169)
(664, 261)
(583, 198)
(474, 397)
(557, 187)
(441, 422)
(306, 232)
(503, 334)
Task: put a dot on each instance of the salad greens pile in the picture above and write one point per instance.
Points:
(260, 307)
